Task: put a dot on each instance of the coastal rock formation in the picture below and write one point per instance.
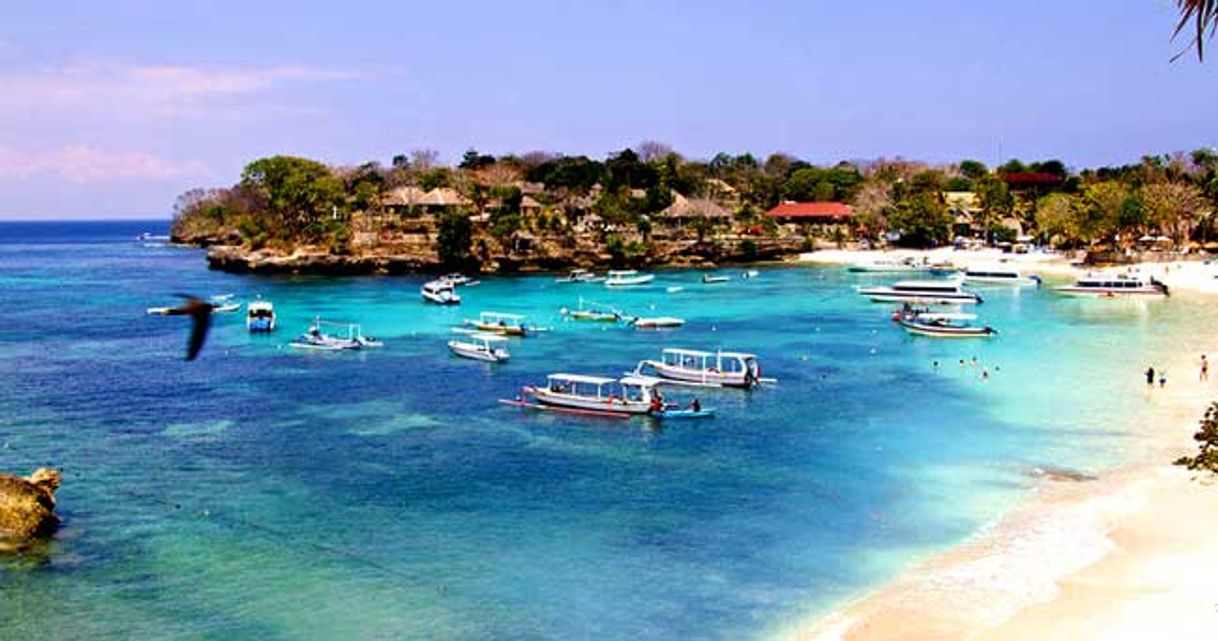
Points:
(27, 507)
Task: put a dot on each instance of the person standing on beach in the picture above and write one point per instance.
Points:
(1162, 379)
(1205, 369)
(1150, 376)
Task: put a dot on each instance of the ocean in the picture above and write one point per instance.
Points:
(263, 493)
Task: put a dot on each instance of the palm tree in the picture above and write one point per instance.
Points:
(1204, 16)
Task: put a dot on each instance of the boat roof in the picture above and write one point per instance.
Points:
(502, 315)
(930, 316)
(701, 353)
(259, 304)
(642, 381)
(926, 283)
(438, 284)
(622, 272)
(580, 378)
(490, 338)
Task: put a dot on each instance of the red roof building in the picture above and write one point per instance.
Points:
(821, 212)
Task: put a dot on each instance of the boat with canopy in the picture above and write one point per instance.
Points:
(703, 368)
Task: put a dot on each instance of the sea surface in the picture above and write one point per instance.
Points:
(263, 493)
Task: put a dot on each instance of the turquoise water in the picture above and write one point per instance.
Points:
(263, 493)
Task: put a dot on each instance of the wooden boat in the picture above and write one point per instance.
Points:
(704, 369)
(500, 323)
(592, 311)
(627, 278)
(941, 325)
(629, 395)
(889, 265)
(481, 346)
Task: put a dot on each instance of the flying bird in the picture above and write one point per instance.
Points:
(200, 314)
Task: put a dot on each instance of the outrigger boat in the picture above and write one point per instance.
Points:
(627, 278)
(481, 346)
(440, 292)
(314, 338)
(603, 397)
(1113, 286)
(457, 279)
(260, 316)
(923, 292)
(580, 276)
(500, 323)
(944, 325)
(592, 311)
(704, 369)
(711, 279)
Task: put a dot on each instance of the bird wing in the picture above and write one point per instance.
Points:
(201, 317)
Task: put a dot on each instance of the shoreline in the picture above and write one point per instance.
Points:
(1127, 555)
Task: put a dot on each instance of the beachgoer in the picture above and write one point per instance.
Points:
(975, 361)
(1205, 369)
(1150, 376)
(656, 405)
(962, 362)
(935, 365)
(695, 405)
(1162, 379)
(985, 374)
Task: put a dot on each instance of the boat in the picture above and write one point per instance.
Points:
(672, 289)
(701, 368)
(687, 412)
(656, 322)
(710, 279)
(315, 338)
(580, 276)
(944, 325)
(592, 311)
(627, 278)
(596, 395)
(260, 316)
(500, 323)
(924, 292)
(225, 307)
(750, 273)
(998, 275)
(481, 346)
(889, 265)
(1115, 285)
(149, 236)
(457, 279)
(440, 292)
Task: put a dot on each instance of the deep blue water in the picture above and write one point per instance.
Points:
(262, 493)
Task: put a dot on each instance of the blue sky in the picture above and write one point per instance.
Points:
(113, 109)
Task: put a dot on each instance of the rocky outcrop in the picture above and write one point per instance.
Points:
(27, 508)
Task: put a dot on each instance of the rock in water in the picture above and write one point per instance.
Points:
(27, 507)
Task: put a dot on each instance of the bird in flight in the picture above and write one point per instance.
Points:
(200, 314)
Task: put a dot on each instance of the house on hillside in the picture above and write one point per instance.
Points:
(415, 201)
(684, 210)
(965, 210)
(812, 213)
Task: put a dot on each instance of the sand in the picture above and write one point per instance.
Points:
(1130, 555)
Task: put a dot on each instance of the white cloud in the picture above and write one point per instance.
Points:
(84, 164)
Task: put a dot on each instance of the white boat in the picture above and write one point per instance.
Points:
(1115, 285)
(481, 346)
(889, 265)
(627, 278)
(708, 369)
(998, 275)
(226, 308)
(672, 289)
(440, 292)
(922, 292)
(316, 339)
(712, 279)
(580, 276)
(596, 395)
(657, 322)
(500, 323)
(260, 316)
(457, 279)
(944, 325)
(751, 273)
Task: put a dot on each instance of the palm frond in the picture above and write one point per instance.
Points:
(1203, 14)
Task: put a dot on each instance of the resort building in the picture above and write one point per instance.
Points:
(415, 201)
(817, 213)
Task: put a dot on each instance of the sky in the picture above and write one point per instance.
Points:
(113, 109)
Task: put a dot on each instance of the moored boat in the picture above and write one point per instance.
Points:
(1119, 285)
(260, 316)
(888, 265)
(711, 279)
(440, 292)
(457, 279)
(998, 275)
(481, 346)
(657, 322)
(500, 323)
(944, 325)
(627, 278)
(702, 368)
(316, 339)
(580, 276)
(592, 311)
(627, 396)
(922, 292)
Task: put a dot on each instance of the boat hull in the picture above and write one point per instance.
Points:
(940, 331)
(571, 401)
(476, 352)
(699, 377)
(632, 281)
(495, 328)
(1095, 292)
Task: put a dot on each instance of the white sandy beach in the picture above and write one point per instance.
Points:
(1130, 555)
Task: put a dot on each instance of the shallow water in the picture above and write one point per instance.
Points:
(264, 493)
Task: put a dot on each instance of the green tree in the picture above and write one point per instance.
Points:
(1173, 207)
(1057, 219)
(973, 169)
(1207, 438)
(453, 241)
(299, 194)
(922, 220)
(995, 200)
